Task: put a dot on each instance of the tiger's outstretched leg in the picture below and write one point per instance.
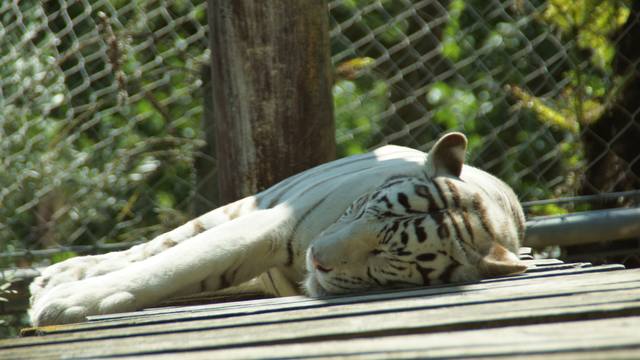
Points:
(83, 267)
(220, 252)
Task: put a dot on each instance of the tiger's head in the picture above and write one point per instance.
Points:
(455, 223)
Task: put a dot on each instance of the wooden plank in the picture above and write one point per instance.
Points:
(540, 290)
(604, 339)
(303, 303)
(525, 251)
(537, 265)
(373, 296)
(542, 262)
(239, 310)
(554, 267)
(576, 268)
(411, 322)
(210, 298)
(472, 310)
(19, 302)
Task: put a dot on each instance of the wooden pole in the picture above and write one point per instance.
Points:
(271, 77)
(206, 197)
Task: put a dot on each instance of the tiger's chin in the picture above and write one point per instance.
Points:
(312, 286)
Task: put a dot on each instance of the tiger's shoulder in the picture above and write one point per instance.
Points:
(364, 170)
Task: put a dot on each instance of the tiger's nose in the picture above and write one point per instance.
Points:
(317, 265)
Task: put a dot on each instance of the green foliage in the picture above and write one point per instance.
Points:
(453, 107)
(548, 209)
(546, 166)
(563, 118)
(84, 158)
(5, 290)
(585, 96)
(357, 104)
(590, 23)
(452, 34)
(62, 256)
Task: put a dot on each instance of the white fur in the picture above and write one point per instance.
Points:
(252, 238)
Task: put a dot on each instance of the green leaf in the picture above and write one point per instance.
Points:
(438, 93)
(451, 50)
(165, 199)
(59, 257)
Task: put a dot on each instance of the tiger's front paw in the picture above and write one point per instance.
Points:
(73, 302)
(75, 269)
(69, 270)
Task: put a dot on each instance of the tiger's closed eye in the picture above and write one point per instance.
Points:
(376, 252)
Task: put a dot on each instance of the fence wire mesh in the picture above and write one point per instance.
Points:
(101, 120)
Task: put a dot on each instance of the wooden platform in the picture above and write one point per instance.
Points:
(555, 310)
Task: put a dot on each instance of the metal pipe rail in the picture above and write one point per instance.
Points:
(583, 227)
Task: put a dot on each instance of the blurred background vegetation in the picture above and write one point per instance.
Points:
(103, 118)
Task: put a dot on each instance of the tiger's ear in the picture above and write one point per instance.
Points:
(447, 155)
(500, 262)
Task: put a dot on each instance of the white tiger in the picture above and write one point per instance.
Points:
(395, 217)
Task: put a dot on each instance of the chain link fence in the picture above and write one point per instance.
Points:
(102, 106)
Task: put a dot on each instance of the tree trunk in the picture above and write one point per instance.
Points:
(206, 197)
(271, 76)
